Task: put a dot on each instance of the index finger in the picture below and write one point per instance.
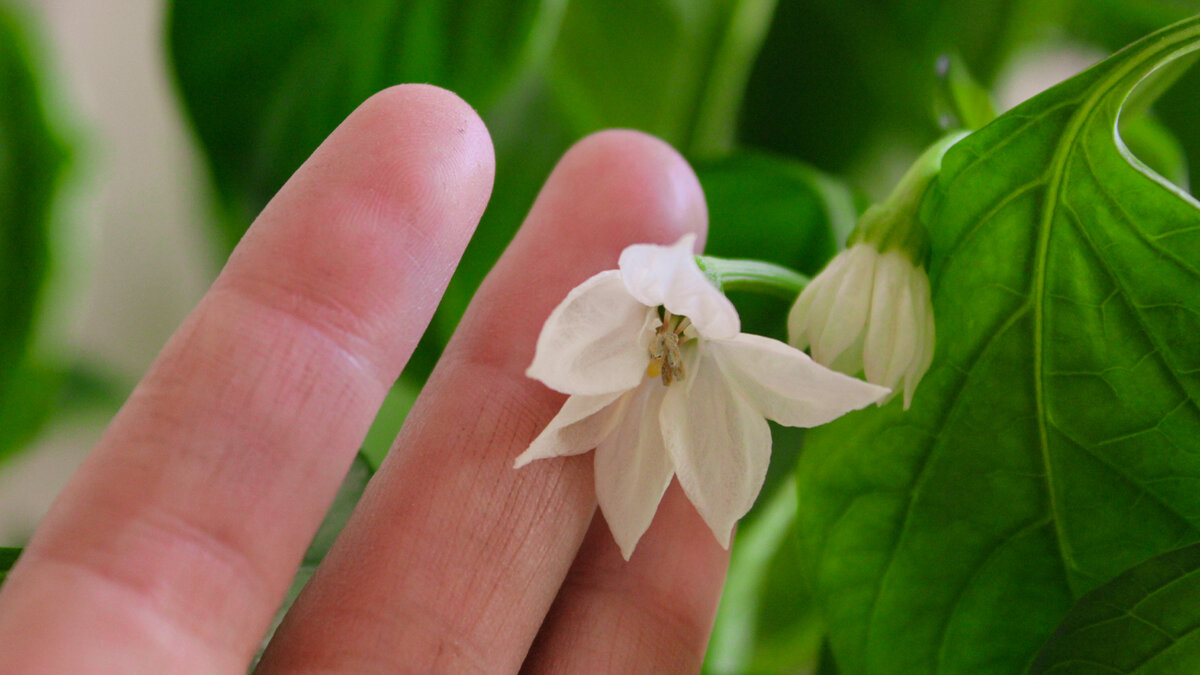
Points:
(172, 547)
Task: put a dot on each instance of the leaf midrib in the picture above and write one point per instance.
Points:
(1068, 143)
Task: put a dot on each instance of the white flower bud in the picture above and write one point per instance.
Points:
(868, 312)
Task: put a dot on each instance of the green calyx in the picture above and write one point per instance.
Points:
(894, 223)
(752, 275)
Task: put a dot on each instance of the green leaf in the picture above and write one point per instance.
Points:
(673, 69)
(388, 420)
(766, 622)
(31, 161)
(31, 393)
(841, 83)
(1053, 444)
(335, 519)
(265, 83)
(1145, 621)
(1112, 23)
(8, 558)
(962, 102)
(1157, 147)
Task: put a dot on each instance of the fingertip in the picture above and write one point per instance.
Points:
(399, 115)
(409, 153)
(371, 227)
(653, 192)
(418, 146)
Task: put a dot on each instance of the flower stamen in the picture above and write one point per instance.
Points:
(665, 359)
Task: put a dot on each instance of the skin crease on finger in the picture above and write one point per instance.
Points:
(172, 547)
(453, 558)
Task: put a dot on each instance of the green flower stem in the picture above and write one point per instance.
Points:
(893, 223)
(753, 275)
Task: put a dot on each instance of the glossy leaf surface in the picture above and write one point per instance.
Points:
(1052, 444)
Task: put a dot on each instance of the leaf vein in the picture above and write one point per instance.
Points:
(991, 213)
(1143, 491)
(1129, 220)
(1155, 654)
(990, 553)
(1030, 120)
(951, 408)
(1159, 348)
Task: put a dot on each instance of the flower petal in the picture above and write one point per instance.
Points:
(581, 424)
(720, 446)
(894, 333)
(810, 312)
(926, 339)
(785, 385)
(633, 468)
(910, 323)
(669, 276)
(816, 301)
(596, 340)
(879, 347)
(847, 311)
(800, 316)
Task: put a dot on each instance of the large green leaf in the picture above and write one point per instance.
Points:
(1145, 621)
(1113, 23)
(265, 83)
(31, 160)
(674, 69)
(1155, 145)
(1054, 442)
(766, 622)
(841, 83)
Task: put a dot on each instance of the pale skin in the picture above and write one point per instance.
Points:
(171, 548)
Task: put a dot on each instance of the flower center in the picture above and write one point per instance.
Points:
(665, 360)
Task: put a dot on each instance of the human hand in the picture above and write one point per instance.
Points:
(173, 545)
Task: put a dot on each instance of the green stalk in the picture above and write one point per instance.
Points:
(894, 222)
(753, 275)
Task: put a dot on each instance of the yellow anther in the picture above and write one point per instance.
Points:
(654, 368)
(665, 359)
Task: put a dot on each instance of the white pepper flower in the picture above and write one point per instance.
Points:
(663, 384)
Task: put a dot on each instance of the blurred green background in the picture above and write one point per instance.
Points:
(139, 138)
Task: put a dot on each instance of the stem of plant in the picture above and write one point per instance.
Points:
(753, 275)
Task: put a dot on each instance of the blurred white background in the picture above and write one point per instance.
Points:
(138, 257)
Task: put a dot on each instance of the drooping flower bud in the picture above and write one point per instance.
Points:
(869, 310)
